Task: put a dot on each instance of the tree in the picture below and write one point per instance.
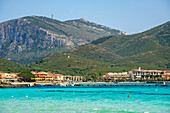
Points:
(162, 72)
(94, 76)
(88, 77)
(26, 76)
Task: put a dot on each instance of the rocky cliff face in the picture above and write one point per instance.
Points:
(21, 39)
(18, 35)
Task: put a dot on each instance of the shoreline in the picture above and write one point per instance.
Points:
(67, 84)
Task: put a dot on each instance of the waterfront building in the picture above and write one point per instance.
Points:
(43, 76)
(73, 78)
(77, 78)
(145, 74)
(39, 75)
(68, 78)
(4, 77)
(14, 75)
(114, 76)
(49, 76)
(59, 77)
(166, 75)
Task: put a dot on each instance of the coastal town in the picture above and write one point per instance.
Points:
(85, 56)
(48, 78)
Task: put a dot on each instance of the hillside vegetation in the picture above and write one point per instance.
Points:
(95, 52)
(131, 45)
(150, 49)
(68, 63)
(10, 66)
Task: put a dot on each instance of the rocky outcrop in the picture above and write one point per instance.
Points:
(19, 34)
(21, 39)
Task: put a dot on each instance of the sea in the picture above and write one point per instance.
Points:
(109, 98)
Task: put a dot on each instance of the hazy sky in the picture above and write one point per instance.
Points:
(131, 16)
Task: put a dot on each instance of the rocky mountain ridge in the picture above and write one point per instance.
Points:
(22, 39)
(149, 50)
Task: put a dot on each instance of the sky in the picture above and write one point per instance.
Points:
(131, 16)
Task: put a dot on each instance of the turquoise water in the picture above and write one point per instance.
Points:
(143, 99)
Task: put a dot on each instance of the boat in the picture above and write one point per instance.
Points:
(69, 84)
(61, 84)
(164, 84)
(77, 84)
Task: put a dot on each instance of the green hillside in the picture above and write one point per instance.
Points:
(131, 45)
(68, 63)
(10, 66)
(149, 49)
(95, 52)
(148, 60)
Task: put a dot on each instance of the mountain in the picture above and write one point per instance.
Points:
(136, 44)
(10, 66)
(27, 39)
(93, 30)
(75, 47)
(149, 49)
